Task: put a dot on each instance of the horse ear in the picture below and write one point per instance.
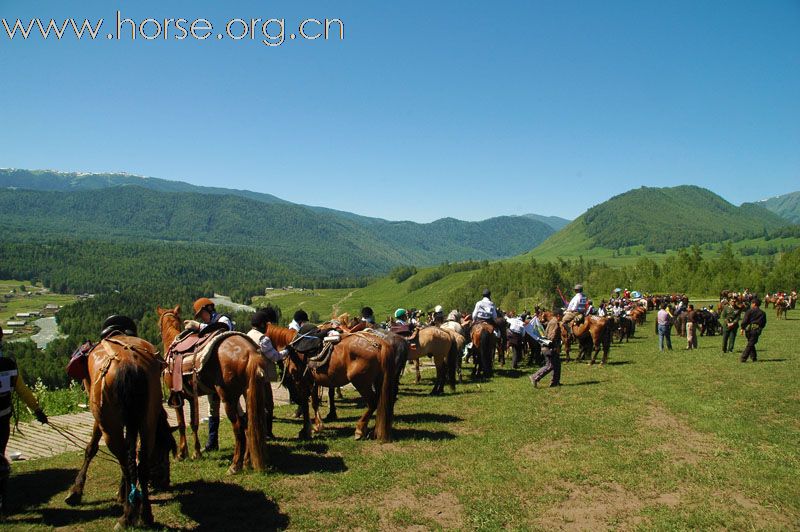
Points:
(159, 310)
(177, 309)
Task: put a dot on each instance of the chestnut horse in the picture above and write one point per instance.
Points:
(236, 368)
(483, 343)
(592, 333)
(124, 388)
(363, 359)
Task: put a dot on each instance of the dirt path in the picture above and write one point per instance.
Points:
(34, 440)
(335, 306)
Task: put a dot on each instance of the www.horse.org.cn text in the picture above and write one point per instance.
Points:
(267, 31)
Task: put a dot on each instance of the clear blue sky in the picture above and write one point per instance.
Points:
(426, 109)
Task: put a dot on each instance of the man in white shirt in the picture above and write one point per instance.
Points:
(576, 307)
(259, 321)
(485, 309)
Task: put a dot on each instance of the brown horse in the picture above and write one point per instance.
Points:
(443, 347)
(366, 360)
(237, 368)
(592, 333)
(780, 308)
(125, 398)
(483, 345)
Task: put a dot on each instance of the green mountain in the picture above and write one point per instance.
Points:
(555, 222)
(294, 234)
(658, 219)
(50, 180)
(786, 206)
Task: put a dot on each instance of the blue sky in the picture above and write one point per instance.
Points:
(425, 109)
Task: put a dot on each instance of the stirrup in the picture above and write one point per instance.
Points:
(175, 400)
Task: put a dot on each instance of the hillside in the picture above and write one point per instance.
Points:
(556, 222)
(658, 219)
(294, 234)
(786, 206)
(50, 180)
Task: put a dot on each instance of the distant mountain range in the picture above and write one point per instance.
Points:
(114, 206)
(786, 206)
(659, 219)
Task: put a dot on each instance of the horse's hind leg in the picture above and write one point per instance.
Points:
(76, 492)
(416, 367)
(232, 411)
(194, 420)
(332, 403)
(369, 395)
(183, 450)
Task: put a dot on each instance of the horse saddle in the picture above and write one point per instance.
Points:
(195, 349)
(316, 344)
(78, 367)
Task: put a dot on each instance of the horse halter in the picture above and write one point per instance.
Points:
(167, 313)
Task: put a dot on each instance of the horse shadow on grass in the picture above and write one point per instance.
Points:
(292, 461)
(619, 362)
(30, 490)
(509, 373)
(582, 383)
(397, 433)
(772, 360)
(223, 506)
(427, 417)
(35, 488)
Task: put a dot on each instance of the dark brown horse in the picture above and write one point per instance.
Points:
(363, 359)
(124, 389)
(237, 368)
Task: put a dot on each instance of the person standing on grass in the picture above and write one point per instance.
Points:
(753, 324)
(11, 381)
(663, 326)
(551, 352)
(730, 317)
(206, 315)
(691, 319)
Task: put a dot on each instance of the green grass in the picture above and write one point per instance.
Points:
(680, 440)
(575, 243)
(383, 295)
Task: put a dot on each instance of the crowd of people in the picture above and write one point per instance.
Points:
(537, 332)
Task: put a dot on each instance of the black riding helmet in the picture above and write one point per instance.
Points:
(300, 316)
(118, 323)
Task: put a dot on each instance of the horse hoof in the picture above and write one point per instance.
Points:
(232, 470)
(73, 499)
(359, 435)
(304, 435)
(331, 417)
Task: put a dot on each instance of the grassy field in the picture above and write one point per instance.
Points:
(680, 440)
(18, 300)
(382, 295)
(571, 245)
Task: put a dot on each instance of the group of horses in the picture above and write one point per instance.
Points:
(126, 373)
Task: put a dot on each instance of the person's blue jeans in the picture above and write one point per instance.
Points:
(663, 336)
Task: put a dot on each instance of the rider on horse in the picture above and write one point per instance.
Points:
(577, 307)
(10, 380)
(485, 309)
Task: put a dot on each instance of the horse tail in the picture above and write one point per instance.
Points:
(400, 361)
(257, 385)
(130, 386)
(452, 362)
(486, 351)
(385, 412)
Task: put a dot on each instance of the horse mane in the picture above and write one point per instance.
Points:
(280, 336)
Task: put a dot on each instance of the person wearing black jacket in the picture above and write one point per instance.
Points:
(753, 323)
